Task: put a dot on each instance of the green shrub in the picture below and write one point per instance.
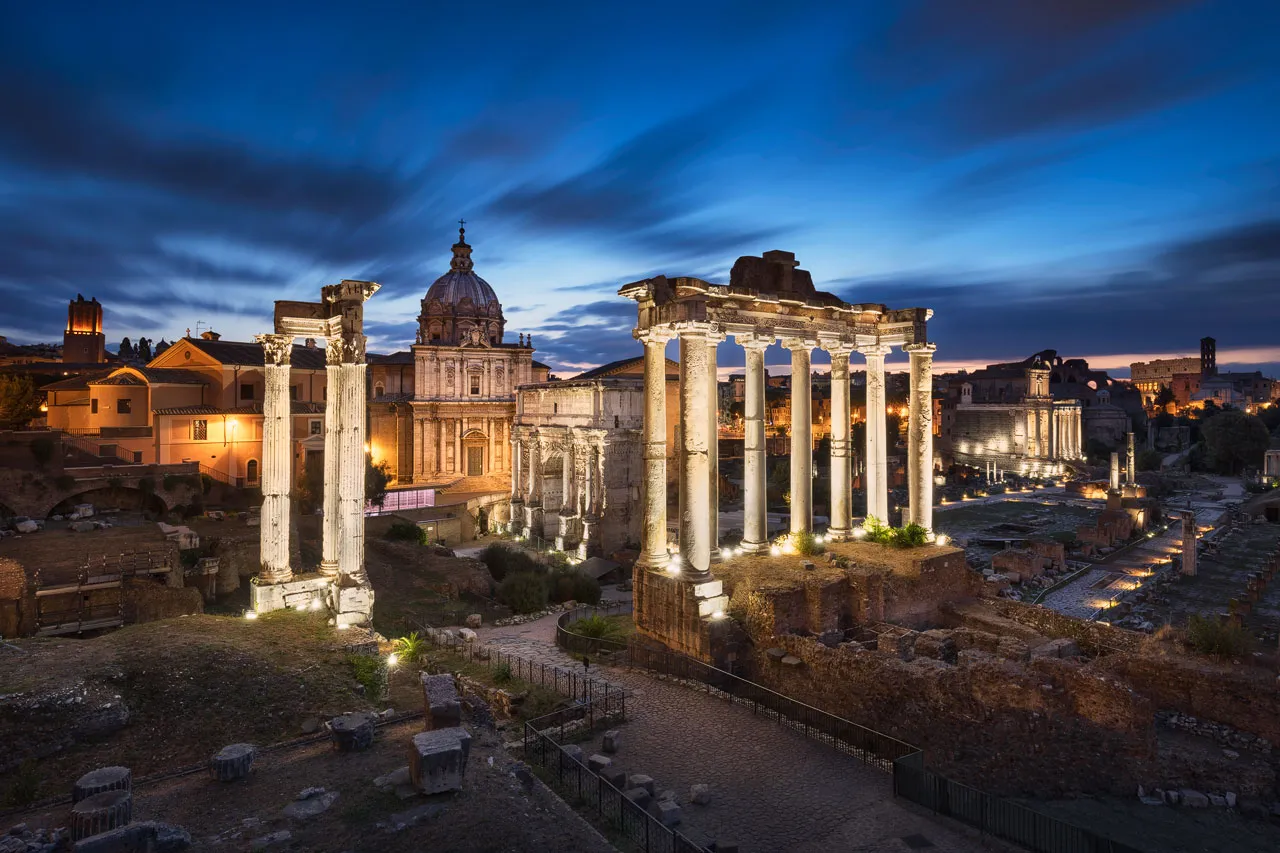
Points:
(570, 584)
(64, 482)
(42, 450)
(411, 647)
(523, 592)
(1209, 636)
(807, 544)
(597, 627)
(406, 531)
(371, 672)
(911, 536)
(502, 674)
(503, 560)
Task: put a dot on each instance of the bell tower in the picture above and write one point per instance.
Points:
(83, 341)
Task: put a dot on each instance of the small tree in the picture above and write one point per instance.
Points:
(376, 478)
(126, 349)
(1165, 399)
(1234, 440)
(19, 402)
(144, 349)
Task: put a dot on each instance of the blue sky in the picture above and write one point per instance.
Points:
(1101, 177)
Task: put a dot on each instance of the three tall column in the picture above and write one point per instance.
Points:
(695, 452)
(332, 529)
(877, 440)
(653, 491)
(277, 458)
(920, 436)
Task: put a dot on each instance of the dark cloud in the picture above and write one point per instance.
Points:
(1253, 244)
(591, 333)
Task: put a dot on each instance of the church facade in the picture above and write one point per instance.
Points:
(441, 413)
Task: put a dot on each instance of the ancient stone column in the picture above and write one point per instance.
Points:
(713, 447)
(841, 476)
(1130, 464)
(1114, 485)
(277, 459)
(920, 435)
(801, 436)
(533, 506)
(695, 452)
(568, 502)
(877, 440)
(517, 489)
(653, 491)
(352, 463)
(1188, 542)
(331, 531)
(755, 525)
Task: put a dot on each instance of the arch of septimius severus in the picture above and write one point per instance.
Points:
(767, 300)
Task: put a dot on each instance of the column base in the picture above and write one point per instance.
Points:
(716, 556)
(300, 592)
(329, 568)
(656, 562)
(352, 605)
(682, 612)
(273, 576)
(754, 547)
(840, 534)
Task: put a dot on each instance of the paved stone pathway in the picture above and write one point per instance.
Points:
(772, 789)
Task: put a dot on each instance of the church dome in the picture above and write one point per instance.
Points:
(460, 307)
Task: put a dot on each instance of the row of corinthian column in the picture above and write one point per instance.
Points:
(342, 548)
(699, 437)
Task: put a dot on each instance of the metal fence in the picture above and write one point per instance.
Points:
(580, 644)
(577, 783)
(994, 815)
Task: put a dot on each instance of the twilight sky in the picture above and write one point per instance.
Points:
(1097, 176)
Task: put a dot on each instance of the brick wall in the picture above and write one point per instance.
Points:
(1093, 637)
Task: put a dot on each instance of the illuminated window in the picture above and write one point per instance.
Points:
(475, 383)
(200, 430)
(316, 427)
(251, 472)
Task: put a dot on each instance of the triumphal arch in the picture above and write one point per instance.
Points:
(768, 299)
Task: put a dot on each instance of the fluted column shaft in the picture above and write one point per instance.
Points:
(352, 465)
(331, 532)
(920, 436)
(877, 440)
(1114, 483)
(841, 526)
(801, 437)
(713, 441)
(276, 459)
(517, 495)
(755, 524)
(695, 463)
(653, 490)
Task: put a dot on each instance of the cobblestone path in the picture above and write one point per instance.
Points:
(772, 789)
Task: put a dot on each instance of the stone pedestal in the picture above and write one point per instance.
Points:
(438, 760)
(100, 813)
(233, 762)
(100, 780)
(441, 705)
(351, 732)
(302, 592)
(351, 603)
(679, 613)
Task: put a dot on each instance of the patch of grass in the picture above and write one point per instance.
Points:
(372, 673)
(910, 536)
(538, 702)
(25, 787)
(806, 544)
(598, 627)
(411, 647)
(502, 674)
(1209, 636)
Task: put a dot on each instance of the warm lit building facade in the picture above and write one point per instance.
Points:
(442, 412)
(199, 401)
(1150, 377)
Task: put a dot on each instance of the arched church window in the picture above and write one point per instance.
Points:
(251, 472)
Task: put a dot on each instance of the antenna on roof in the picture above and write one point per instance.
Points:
(200, 327)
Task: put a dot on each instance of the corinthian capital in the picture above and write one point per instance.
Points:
(654, 334)
(276, 349)
(333, 348)
(921, 349)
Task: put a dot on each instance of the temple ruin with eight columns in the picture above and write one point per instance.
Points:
(339, 583)
(677, 598)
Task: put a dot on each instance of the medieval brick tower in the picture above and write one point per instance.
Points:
(83, 341)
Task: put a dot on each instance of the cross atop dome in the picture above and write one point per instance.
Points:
(461, 251)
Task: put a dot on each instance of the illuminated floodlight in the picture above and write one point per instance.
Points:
(316, 604)
(674, 565)
(859, 532)
(392, 659)
(775, 551)
(719, 614)
(942, 539)
(342, 626)
(251, 614)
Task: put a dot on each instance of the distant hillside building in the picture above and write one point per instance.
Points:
(83, 341)
(1150, 377)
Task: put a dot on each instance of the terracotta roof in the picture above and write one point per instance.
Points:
(118, 379)
(75, 383)
(171, 376)
(402, 357)
(543, 366)
(614, 367)
(249, 354)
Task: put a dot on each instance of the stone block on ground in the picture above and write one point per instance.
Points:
(474, 620)
(611, 740)
(573, 751)
(1194, 799)
(1011, 648)
(776, 654)
(668, 794)
(144, 837)
(597, 763)
(101, 812)
(615, 777)
(441, 702)
(102, 779)
(1063, 647)
(233, 762)
(700, 795)
(438, 760)
(310, 803)
(468, 635)
(667, 812)
(351, 732)
(270, 840)
(412, 817)
(639, 796)
(639, 780)
(792, 661)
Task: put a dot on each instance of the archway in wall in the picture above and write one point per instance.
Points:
(129, 498)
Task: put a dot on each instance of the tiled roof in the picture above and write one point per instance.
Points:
(118, 379)
(75, 383)
(249, 354)
(402, 357)
(543, 366)
(297, 407)
(614, 367)
(171, 376)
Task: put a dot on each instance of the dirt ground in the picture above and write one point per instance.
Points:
(59, 554)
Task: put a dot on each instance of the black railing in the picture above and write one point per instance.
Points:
(576, 783)
(994, 815)
(580, 644)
